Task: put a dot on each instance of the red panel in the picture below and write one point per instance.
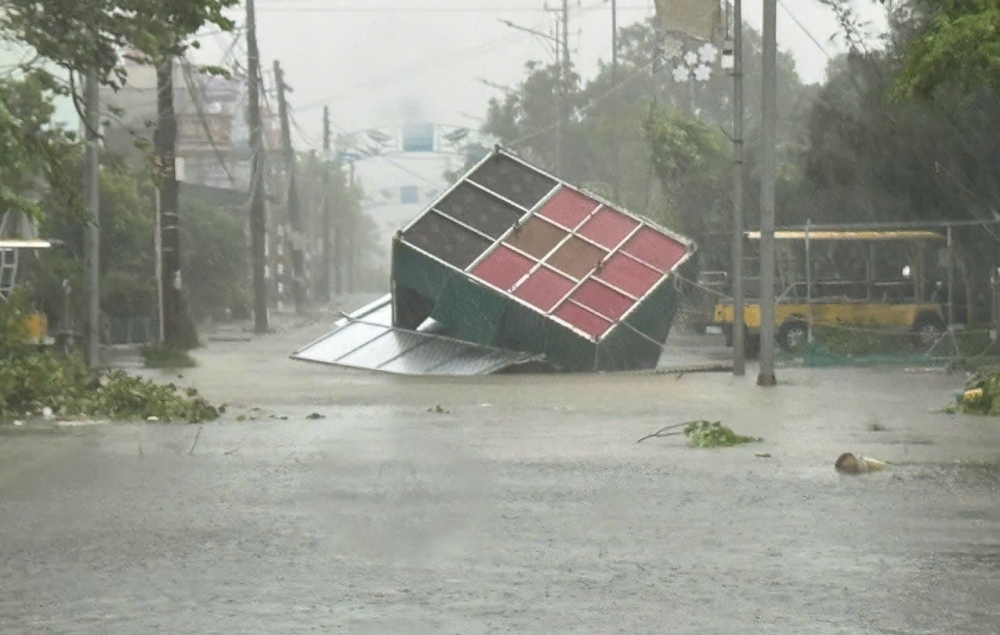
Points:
(608, 228)
(584, 320)
(628, 275)
(568, 208)
(655, 248)
(503, 267)
(544, 289)
(605, 301)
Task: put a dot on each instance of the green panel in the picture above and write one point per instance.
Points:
(419, 272)
(620, 348)
(655, 315)
(523, 329)
(470, 311)
(626, 348)
(571, 352)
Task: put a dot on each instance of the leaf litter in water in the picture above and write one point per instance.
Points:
(712, 434)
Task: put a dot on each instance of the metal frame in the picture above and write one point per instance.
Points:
(539, 263)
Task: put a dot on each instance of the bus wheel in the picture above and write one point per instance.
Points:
(793, 335)
(927, 329)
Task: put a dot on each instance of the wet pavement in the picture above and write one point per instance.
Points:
(526, 506)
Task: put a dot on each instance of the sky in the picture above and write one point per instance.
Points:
(383, 62)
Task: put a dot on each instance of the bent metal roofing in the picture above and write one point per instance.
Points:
(366, 340)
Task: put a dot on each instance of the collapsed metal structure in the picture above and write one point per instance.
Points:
(512, 267)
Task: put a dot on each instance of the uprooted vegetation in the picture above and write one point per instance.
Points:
(33, 381)
(712, 434)
(981, 396)
(704, 434)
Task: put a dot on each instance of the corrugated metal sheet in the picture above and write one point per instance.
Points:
(366, 340)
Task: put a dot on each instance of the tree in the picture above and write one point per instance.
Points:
(892, 140)
(959, 46)
(159, 31)
(691, 161)
(152, 27)
(33, 151)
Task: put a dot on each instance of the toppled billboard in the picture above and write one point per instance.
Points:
(512, 259)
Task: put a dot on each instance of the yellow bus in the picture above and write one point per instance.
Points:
(906, 302)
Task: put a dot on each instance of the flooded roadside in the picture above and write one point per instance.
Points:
(523, 504)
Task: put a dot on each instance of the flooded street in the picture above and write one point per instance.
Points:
(526, 506)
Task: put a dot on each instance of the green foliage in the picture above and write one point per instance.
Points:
(33, 152)
(876, 155)
(152, 27)
(13, 327)
(712, 434)
(691, 162)
(843, 340)
(31, 380)
(959, 47)
(122, 397)
(982, 396)
(213, 259)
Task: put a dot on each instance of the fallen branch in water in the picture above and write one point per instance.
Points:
(659, 433)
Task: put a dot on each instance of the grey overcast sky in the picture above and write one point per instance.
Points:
(383, 62)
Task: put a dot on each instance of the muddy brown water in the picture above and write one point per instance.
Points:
(525, 507)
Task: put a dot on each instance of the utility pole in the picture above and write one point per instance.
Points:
(561, 54)
(257, 221)
(325, 222)
(171, 314)
(563, 89)
(91, 187)
(294, 234)
(769, 169)
(616, 161)
(739, 301)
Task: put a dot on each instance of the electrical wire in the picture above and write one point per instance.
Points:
(438, 62)
(593, 102)
(288, 7)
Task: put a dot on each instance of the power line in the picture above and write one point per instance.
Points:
(413, 70)
(438, 62)
(285, 8)
(594, 101)
(808, 33)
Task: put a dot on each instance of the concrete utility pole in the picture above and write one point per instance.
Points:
(294, 234)
(739, 332)
(769, 169)
(257, 220)
(171, 311)
(564, 69)
(325, 221)
(92, 194)
(616, 166)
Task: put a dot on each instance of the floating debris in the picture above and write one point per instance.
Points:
(848, 463)
(980, 397)
(712, 434)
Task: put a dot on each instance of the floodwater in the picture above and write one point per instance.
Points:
(525, 507)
